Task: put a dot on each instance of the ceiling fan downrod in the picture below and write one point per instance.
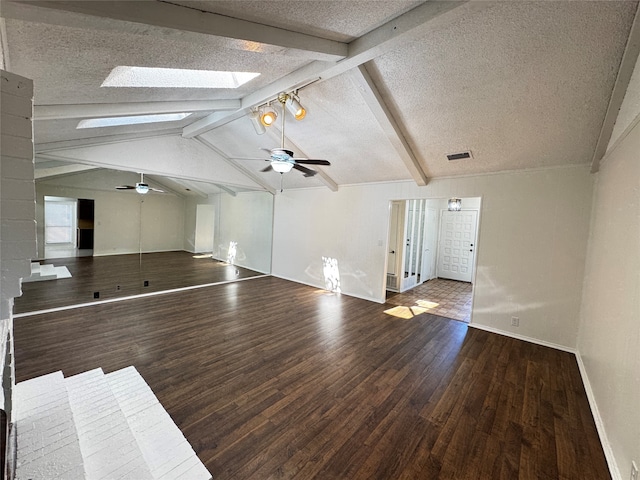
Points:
(282, 98)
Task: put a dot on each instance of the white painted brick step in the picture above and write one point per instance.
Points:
(108, 446)
(48, 445)
(164, 447)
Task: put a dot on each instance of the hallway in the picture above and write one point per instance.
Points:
(446, 298)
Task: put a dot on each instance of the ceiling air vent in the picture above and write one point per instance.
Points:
(459, 156)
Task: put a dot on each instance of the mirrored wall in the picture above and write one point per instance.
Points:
(179, 234)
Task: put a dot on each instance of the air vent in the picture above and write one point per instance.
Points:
(459, 156)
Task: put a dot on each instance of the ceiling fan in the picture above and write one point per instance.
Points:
(140, 187)
(281, 159)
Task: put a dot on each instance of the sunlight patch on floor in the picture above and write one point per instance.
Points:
(405, 312)
(427, 304)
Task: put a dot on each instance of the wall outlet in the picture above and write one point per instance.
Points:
(515, 321)
(146, 283)
(96, 294)
(117, 287)
(634, 471)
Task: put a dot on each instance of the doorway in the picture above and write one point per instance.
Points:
(68, 227)
(203, 242)
(432, 255)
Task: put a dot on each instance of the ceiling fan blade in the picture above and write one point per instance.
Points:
(156, 190)
(310, 161)
(307, 171)
(250, 158)
(125, 187)
(267, 169)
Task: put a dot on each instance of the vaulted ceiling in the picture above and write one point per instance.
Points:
(391, 87)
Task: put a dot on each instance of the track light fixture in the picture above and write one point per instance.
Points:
(256, 121)
(294, 106)
(265, 115)
(268, 116)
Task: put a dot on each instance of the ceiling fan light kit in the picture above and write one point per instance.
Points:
(141, 187)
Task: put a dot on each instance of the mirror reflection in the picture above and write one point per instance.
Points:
(90, 224)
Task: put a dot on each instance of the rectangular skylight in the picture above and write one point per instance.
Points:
(124, 76)
(132, 120)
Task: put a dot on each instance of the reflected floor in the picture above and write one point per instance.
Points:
(118, 276)
(446, 298)
(66, 251)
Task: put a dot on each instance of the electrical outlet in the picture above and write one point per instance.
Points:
(117, 287)
(96, 294)
(146, 283)
(515, 321)
(634, 471)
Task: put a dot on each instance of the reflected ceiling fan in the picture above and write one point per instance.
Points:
(281, 159)
(140, 187)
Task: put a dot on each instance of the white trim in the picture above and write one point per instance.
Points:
(604, 440)
(132, 297)
(4, 46)
(524, 338)
(137, 252)
(634, 123)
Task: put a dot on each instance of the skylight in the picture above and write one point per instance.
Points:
(123, 76)
(132, 120)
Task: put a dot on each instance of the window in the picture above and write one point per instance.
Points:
(59, 222)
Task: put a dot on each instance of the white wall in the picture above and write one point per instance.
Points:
(531, 248)
(17, 212)
(118, 221)
(245, 219)
(609, 338)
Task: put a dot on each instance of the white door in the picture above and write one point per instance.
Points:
(430, 245)
(395, 234)
(203, 241)
(456, 252)
(413, 236)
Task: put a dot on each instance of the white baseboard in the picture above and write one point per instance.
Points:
(524, 337)
(604, 440)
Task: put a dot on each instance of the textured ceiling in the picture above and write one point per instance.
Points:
(521, 84)
(68, 64)
(336, 20)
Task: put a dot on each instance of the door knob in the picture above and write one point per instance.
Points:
(392, 251)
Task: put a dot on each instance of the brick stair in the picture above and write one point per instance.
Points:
(98, 427)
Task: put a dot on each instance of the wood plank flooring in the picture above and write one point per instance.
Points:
(270, 379)
(123, 275)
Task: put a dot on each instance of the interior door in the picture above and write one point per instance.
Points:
(395, 234)
(413, 250)
(430, 245)
(456, 251)
(203, 241)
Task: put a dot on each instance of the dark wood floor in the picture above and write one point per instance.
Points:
(269, 379)
(123, 275)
